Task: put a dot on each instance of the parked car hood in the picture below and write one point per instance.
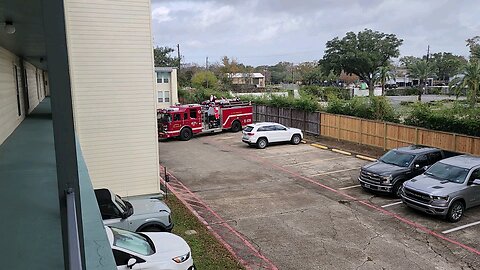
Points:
(148, 206)
(167, 246)
(381, 168)
(432, 186)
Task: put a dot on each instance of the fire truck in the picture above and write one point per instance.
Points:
(184, 121)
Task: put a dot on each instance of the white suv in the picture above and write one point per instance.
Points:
(261, 134)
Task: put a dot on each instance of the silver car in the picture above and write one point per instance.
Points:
(446, 189)
(142, 214)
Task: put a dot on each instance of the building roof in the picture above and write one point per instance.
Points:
(246, 75)
(165, 69)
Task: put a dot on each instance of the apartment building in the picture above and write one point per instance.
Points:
(69, 121)
(166, 86)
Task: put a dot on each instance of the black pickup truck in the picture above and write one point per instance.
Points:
(388, 173)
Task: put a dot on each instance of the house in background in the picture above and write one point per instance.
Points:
(166, 86)
(62, 132)
(256, 79)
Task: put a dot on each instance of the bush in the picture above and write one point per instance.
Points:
(305, 102)
(199, 95)
(460, 118)
(376, 108)
(402, 92)
(324, 93)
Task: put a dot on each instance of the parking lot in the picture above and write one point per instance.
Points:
(302, 208)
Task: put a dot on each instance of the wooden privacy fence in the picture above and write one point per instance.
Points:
(309, 122)
(363, 131)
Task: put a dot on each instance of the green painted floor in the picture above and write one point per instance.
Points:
(30, 231)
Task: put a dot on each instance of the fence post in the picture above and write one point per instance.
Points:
(304, 121)
(416, 136)
(455, 142)
(361, 131)
(319, 123)
(337, 118)
(385, 136)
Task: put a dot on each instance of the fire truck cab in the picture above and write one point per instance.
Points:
(184, 121)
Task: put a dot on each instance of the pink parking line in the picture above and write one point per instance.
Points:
(222, 221)
(384, 211)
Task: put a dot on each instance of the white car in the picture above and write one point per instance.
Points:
(262, 134)
(149, 251)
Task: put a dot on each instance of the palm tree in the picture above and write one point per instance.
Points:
(470, 80)
(382, 75)
(421, 69)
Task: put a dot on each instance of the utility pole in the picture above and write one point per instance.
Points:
(179, 58)
(206, 67)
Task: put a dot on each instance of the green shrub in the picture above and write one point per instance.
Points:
(305, 102)
(377, 108)
(460, 118)
(200, 94)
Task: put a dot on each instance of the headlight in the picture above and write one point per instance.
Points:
(387, 179)
(181, 259)
(440, 198)
(440, 201)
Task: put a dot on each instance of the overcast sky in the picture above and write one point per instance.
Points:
(258, 32)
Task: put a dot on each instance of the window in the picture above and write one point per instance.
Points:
(248, 129)
(185, 116)
(176, 117)
(278, 127)
(109, 211)
(475, 175)
(163, 77)
(19, 109)
(160, 96)
(134, 242)
(166, 96)
(193, 113)
(266, 128)
(397, 158)
(421, 161)
(434, 157)
(121, 258)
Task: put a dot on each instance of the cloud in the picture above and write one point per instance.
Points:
(268, 31)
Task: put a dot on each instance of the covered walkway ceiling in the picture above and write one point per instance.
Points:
(28, 41)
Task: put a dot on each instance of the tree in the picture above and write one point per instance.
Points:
(382, 75)
(474, 45)
(204, 79)
(421, 69)
(447, 65)
(361, 54)
(162, 58)
(470, 80)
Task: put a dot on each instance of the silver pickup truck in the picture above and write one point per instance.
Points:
(446, 189)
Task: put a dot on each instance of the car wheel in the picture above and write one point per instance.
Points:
(296, 139)
(397, 189)
(186, 134)
(455, 212)
(262, 143)
(236, 126)
(153, 228)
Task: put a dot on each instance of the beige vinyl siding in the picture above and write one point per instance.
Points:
(9, 118)
(111, 69)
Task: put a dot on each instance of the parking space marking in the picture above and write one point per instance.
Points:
(391, 204)
(461, 227)
(288, 154)
(325, 173)
(354, 186)
(226, 138)
(313, 160)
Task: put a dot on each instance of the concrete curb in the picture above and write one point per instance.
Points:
(366, 158)
(319, 146)
(341, 152)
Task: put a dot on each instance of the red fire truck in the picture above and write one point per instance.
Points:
(184, 121)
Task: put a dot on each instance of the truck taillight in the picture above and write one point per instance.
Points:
(250, 133)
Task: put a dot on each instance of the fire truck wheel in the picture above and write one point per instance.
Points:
(186, 134)
(236, 126)
(296, 139)
(262, 143)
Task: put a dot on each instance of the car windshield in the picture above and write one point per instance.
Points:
(131, 241)
(120, 203)
(397, 158)
(446, 172)
(164, 117)
(248, 129)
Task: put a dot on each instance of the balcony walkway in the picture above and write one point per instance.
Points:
(30, 227)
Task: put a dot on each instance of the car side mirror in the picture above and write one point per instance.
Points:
(131, 262)
(476, 182)
(417, 166)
